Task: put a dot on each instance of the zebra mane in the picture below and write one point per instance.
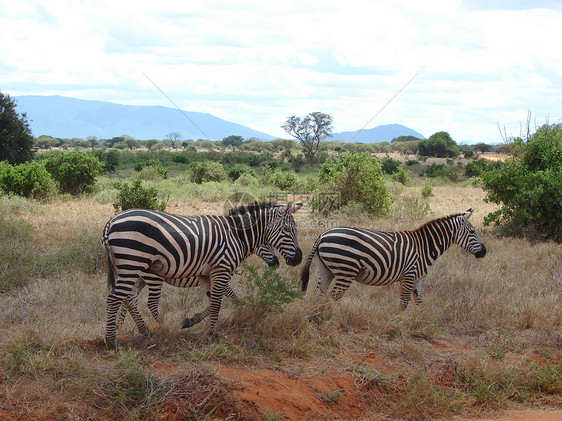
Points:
(250, 208)
(438, 220)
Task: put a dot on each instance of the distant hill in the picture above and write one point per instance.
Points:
(67, 118)
(384, 133)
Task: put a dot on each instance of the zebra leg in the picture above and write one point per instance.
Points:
(154, 293)
(205, 282)
(133, 297)
(325, 276)
(417, 291)
(342, 285)
(406, 288)
(218, 283)
(121, 293)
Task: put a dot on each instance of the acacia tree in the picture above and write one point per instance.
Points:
(175, 138)
(16, 142)
(310, 131)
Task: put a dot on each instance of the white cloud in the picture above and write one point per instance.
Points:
(256, 63)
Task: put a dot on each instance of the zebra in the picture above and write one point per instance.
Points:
(154, 245)
(381, 258)
(266, 252)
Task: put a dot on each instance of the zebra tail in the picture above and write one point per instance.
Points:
(111, 269)
(305, 272)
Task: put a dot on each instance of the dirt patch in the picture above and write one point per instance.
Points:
(306, 398)
(494, 157)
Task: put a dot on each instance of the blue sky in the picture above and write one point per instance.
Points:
(478, 63)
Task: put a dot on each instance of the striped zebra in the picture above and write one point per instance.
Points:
(266, 252)
(155, 245)
(381, 258)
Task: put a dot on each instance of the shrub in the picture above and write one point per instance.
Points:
(267, 291)
(154, 166)
(440, 170)
(357, 177)
(284, 180)
(75, 172)
(110, 159)
(235, 171)
(136, 196)
(411, 162)
(440, 145)
(206, 171)
(390, 166)
(29, 179)
(427, 191)
(401, 176)
(529, 187)
(475, 168)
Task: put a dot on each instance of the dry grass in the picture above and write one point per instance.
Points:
(502, 314)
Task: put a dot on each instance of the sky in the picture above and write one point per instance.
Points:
(465, 67)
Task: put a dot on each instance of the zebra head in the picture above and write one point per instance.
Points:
(267, 253)
(467, 237)
(282, 233)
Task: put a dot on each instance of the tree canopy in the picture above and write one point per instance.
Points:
(310, 130)
(16, 142)
(439, 145)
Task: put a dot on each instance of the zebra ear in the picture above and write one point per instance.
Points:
(288, 208)
(296, 207)
(467, 214)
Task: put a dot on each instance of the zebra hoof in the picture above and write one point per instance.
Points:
(186, 323)
(217, 335)
(111, 345)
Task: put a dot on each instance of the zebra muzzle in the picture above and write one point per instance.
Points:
(296, 259)
(481, 253)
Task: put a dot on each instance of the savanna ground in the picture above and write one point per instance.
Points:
(485, 342)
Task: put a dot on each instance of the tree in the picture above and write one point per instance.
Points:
(408, 138)
(352, 178)
(175, 138)
(310, 131)
(440, 145)
(528, 187)
(16, 142)
(284, 144)
(75, 172)
(233, 140)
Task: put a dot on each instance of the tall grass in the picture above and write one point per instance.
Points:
(500, 309)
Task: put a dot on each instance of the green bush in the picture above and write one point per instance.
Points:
(529, 187)
(234, 172)
(390, 166)
(282, 179)
(267, 291)
(440, 145)
(29, 179)
(136, 196)
(355, 177)
(154, 166)
(475, 168)
(440, 170)
(401, 176)
(75, 172)
(427, 191)
(207, 171)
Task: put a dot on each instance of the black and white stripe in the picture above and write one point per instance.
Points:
(155, 245)
(266, 252)
(380, 258)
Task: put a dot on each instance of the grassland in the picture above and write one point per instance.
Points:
(486, 339)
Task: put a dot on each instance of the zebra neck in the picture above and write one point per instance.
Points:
(434, 238)
(249, 231)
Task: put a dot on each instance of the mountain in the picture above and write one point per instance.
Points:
(384, 133)
(68, 118)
